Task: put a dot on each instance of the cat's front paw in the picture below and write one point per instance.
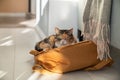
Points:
(46, 50)
(34, 52)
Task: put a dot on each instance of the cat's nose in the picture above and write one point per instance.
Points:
(64, 36)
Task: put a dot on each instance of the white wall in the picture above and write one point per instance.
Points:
(33, 6)
(42, 11)
(43, 24)
(81, 8)
(115, 27)
(68, 8)
(64, 14)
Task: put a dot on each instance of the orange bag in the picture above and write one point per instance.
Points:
(82, 55)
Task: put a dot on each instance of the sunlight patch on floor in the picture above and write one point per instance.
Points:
(38, 76)
(18, 78)
(26, 31)
(2, 73)
(7, 43)
(30, 23)
(6, 38)
(53, 76)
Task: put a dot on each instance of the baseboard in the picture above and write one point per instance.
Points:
(12, 14)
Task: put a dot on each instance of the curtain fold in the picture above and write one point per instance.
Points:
(96, 19)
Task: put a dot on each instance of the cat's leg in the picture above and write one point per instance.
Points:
(47, 48)
(34, 52)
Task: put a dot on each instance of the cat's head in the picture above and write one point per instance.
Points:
(64, 37)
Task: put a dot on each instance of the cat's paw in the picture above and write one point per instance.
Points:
(46, 50)
(34, 52)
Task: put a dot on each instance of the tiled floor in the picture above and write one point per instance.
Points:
(15, 44)
(16, 62)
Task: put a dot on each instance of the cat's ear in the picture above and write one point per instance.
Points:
(57, 30)
(71, 31)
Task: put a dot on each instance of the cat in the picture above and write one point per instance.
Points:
(80, 35)
(62, 37)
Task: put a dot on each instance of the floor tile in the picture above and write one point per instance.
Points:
(25, 41)
(7, 61)
(15, 45)
(77, 75)
(2, 73)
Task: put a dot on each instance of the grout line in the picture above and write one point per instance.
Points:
(14, 67)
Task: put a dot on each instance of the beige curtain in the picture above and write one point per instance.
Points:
(96, 25)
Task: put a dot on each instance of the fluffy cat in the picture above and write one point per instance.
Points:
(62, 37)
